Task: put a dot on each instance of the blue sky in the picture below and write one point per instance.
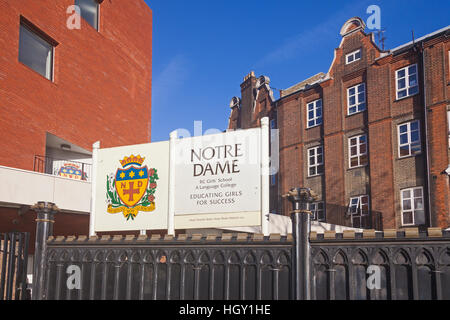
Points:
(202, 49)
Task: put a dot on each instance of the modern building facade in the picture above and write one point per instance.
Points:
(72, 72)
(370, 136)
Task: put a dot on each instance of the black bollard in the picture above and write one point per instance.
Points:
(301, 217)
(44, 228)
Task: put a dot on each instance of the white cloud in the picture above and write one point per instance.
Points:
(170, 79)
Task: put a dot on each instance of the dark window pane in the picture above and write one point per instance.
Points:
(319, 158)
(401, 83)
(417, 193)
(413, 90)
(403, 128)
(413, 81)
(419, 216)
(361, 97)
(407, 218)
(35, 52)
(362, 148)
(414, 125)
(401, 73)
(415, 136)
(89, 11)
(361, 88)
(364, 160)
(412, 69)
(403, 138)
(416, 148)
(402, 93)
(320, 169)
(358, 54)
(404, 151)
(418, 204)
(406, 204)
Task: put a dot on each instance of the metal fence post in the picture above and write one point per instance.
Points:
(301, 216)
(44, 228)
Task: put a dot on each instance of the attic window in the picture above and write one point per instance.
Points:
(353, 56)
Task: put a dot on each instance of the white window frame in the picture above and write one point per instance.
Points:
(413, 205)
(359, 154)
(407, 87)
(97, 28)
(355, 208)
(316, 164)
(358, 102)
(409, 142)
(318, 120)
(50, 65)
(313, 207)
(353, 56)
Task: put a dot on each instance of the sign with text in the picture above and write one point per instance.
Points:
(131, 188)
(218, 180)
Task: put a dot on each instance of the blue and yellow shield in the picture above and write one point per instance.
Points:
(131, 184)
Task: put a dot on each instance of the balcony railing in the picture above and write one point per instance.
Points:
(63, 168)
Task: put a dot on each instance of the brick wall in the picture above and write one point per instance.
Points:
(102, 79)
(386, 174)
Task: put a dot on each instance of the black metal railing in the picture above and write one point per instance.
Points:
(14, 263)
(235, 268)
(63, 168)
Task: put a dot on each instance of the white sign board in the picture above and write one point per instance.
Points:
(131, 188)
(218, 180)
(214, 181)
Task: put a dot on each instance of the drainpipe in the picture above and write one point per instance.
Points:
(427, 147)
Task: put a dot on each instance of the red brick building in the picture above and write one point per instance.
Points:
(65, 86)
(370, 136)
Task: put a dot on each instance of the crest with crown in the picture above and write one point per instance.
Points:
(132, 189)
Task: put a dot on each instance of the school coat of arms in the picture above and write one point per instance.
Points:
(132, 188)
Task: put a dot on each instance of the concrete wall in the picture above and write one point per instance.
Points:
(27, 188)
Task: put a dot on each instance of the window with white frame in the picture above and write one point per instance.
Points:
(359, 210)
(409, 139)
(35, 52)
(318, 211)
(358, 151)
(356, 99)
(407, 81)
(314, 110)
(353, 56)
(412, 206)
(89, 10)
(315, 161)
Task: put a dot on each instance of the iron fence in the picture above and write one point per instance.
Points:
(13, 262)
(183, 268)
(411, 266)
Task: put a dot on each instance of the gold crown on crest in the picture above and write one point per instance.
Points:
(137, 160)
